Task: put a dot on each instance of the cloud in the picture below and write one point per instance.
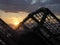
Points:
(13, 5)
(25, 5)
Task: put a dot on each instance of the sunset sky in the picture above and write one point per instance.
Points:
(14, 11)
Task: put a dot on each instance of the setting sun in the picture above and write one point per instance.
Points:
(16, 22)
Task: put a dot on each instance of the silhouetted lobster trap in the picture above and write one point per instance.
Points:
(45, 22)
(42, 22)
(42, 17)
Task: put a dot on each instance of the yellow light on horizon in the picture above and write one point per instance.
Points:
(15, 21)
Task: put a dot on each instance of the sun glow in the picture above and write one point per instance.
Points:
(16, 22)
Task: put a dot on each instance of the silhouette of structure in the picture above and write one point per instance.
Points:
(41, 27)
(6, 32)
(45, 22)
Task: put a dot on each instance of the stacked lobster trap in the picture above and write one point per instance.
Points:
(43, 22)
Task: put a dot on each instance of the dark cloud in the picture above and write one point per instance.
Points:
(25, 5)
(55, 1)
(13, 5)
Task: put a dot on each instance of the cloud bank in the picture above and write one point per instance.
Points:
(28, 5)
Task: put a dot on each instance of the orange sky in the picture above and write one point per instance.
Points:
(11, 17)
(14, 18)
